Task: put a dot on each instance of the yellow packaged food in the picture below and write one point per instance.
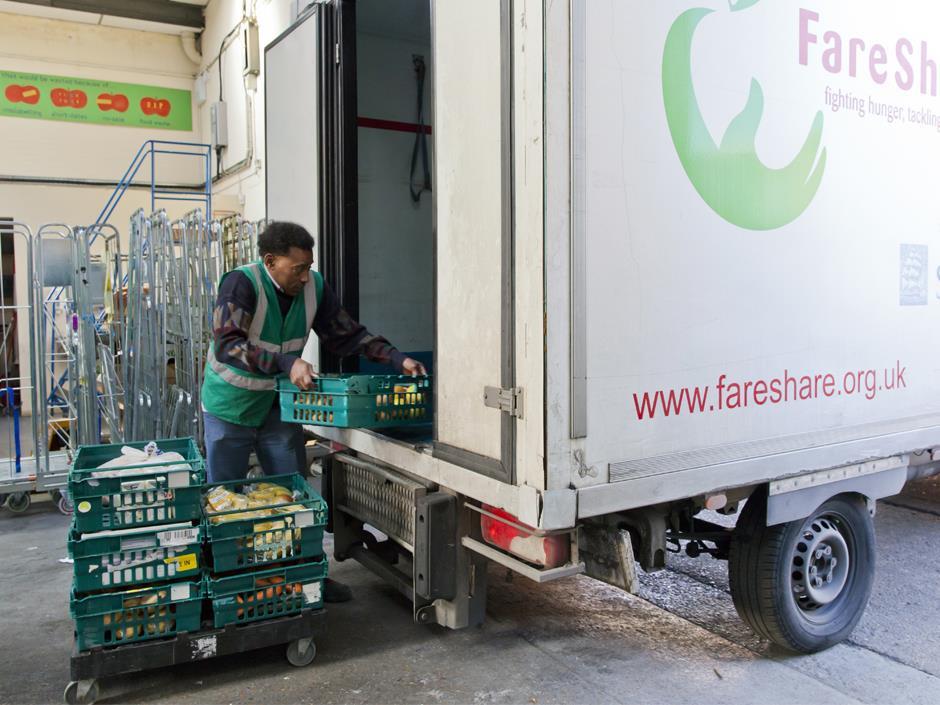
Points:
(268, 526)
(238, 516)
(220, 499)
(290, 508)
(270, 494)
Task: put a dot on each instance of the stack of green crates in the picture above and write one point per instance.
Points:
(266, 561)
(151, 562)
(136, 542)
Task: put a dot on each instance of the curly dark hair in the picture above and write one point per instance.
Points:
(278, 237)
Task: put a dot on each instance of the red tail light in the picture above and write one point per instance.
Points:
(519, 539)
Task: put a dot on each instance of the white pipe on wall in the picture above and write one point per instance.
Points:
(188, 40)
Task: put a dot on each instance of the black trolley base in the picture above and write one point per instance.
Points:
(297, 631)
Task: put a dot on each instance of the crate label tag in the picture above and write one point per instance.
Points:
(178, 479)
(183, 563)
(179, 537)
(302, 519)
(179, 592)
(203, 647)
(313, 592)
(133, 544)
(138, 485)
(83, 507)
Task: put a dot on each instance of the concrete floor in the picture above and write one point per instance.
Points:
(574, 641)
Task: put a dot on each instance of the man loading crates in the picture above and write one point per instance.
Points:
(263, 315)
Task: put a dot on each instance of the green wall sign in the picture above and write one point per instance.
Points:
(42, 97)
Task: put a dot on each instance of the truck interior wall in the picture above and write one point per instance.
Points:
(396, 249)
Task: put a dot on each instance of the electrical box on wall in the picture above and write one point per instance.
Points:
(218, 125)
(252, 50)
(200, 89)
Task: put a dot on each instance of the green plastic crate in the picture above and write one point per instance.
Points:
(141, 556)
(143, 495)
(117, 618)
(246, 543)
(359, 401)
(250, 596)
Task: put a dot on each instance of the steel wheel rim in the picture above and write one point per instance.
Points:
(822, 565)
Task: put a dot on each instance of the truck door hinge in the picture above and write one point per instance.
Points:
(508, 400)
(336, 53)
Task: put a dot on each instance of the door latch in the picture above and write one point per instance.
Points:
(508, 400)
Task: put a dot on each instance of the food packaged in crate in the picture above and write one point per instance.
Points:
(359, 401)
(259, 522)
(117, 618)
(267, 594)
(136, 484)
(136, 556)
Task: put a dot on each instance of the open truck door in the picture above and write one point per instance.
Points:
(475, 397)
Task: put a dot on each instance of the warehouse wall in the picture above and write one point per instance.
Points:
(243, 98)
(63, 150)
(42, 148)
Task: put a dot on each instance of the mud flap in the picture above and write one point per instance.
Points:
(607, 553)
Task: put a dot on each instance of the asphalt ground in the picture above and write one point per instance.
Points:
(572, 641)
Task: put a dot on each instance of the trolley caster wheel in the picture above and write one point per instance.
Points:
(81, 692)
(63, 503)
(301, 652)
(426, 615)
(19, 502)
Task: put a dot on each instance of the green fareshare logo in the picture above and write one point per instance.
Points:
(730, 177)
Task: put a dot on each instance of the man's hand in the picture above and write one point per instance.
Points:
(302, 374)
(414, 368)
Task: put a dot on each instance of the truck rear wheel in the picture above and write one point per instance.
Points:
(805, 584)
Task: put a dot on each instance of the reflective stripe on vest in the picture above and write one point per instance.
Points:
(245, 398)
(242, 381)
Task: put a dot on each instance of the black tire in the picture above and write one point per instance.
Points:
(803, 585)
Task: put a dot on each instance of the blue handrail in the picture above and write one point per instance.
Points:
(149, 150)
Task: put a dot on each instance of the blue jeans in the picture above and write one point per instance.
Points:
(278, 445)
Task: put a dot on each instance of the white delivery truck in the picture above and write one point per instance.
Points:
(666, 257)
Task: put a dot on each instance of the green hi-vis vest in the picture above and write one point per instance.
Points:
(246, 398)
